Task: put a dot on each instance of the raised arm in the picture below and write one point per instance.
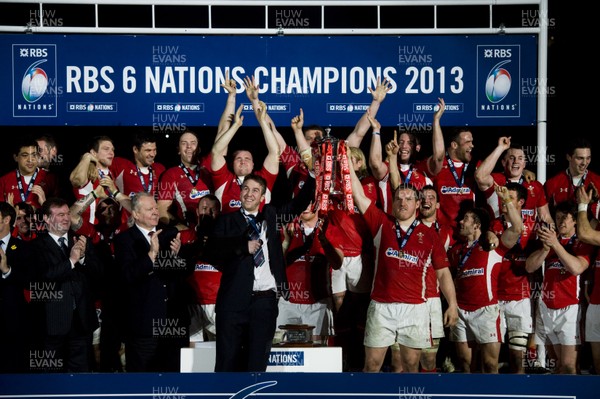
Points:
(362, 126)
(391, 150)
(81, 174)
(271, 162)
(483, 173)
(378, 168)
(303, 147)
(585, 231)
(358, 193)
(82, 204)
(221, 144)
(228, 113)
(512, 234)
(436, 161)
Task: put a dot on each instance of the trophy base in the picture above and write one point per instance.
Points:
(308, 344)
(298, 335)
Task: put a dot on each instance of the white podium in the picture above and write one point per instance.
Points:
(324, 359)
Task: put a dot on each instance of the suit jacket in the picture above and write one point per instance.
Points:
(227, 249)
(60, 287)
(13, 305)
(155, 292)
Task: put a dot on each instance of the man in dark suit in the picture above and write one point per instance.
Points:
(246, 247)
(66, 267)
(14, 265)
(156, 291)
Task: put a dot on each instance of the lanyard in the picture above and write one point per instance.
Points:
(25, 194)
(403, 240)
(406, 179)
(150, 176)
(460, 182)
(102, 174)
(189, 175)
(466, 256)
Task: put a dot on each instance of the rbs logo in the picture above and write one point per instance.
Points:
(33, 52)
(498, 53)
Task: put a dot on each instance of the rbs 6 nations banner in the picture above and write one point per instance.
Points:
(126, 80)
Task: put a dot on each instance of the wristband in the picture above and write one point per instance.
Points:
(582, 207)
(375, 133)
(94, 194)
(114, 195)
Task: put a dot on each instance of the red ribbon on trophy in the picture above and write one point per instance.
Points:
(332, 174)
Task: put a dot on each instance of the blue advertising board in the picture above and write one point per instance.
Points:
(298, 385)
(129, 80)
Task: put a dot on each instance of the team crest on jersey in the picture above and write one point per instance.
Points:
(420, 236)
(531, 191)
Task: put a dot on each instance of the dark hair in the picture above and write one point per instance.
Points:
(7, 210)
(23, 143)
(513, 146)
(95, 143)
(482, 217)
(50, 141)
(566, 207)
(24, 206)
(314, 127)
(192, 133)
(454, 134)
(141, 138)
(259, 179)
(211, 197)
(577, 142)
(519, 189)
(430, 188)
(234, 154)
(53, 202)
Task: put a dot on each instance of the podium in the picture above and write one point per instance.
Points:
(317, 359)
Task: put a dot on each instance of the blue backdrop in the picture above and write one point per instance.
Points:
(104, 80)
(299, 385)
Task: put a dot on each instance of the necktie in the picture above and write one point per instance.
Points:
(63, 246)
(2, 244)
(255, 227)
